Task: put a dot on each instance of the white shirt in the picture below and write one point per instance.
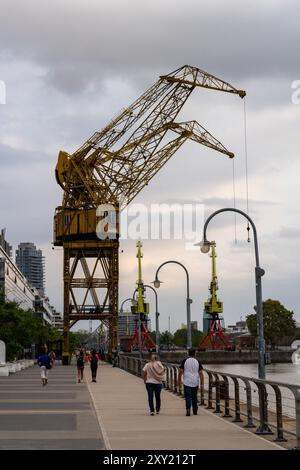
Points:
(191, 368)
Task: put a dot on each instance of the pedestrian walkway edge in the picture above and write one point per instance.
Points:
(100, 422)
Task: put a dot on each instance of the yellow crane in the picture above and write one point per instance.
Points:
(106, 173)
(142, 339)
(212, 309)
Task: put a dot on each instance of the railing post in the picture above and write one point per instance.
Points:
(297, 409)
(217, 385)
(250, 423)
(201, 396)
(226, 399)
(277, 391)
(167, 377)
(210, 386)
(175, 374)
(237, 405)
(263, 427)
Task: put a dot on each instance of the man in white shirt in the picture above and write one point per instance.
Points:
(191, 370)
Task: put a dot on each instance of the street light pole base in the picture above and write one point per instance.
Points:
(264, 429)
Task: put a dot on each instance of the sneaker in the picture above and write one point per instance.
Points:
(188, 412)
(151, 413)
(157, 412)
(195, 411)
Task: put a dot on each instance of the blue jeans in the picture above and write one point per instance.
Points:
(154, 389)
(190, 395)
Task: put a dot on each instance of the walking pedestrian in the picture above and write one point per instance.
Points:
(114, 357)
(45, 363)
(191, 370)
(94, 358)
(80, 366)
(154, 376)
(52, 356)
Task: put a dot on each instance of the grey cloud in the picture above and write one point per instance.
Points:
(10, 157)
(133, 38)
(290, 232)
(70, 66)
(240, 202)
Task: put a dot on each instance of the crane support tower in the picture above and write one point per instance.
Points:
(104, 175)
(142, 339)
(213, 308)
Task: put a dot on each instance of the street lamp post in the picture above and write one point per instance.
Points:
(259, 272)
(157, 333)
(157, 283)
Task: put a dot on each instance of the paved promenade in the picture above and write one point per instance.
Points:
(121, 404)
(57, 416)
(109, 414)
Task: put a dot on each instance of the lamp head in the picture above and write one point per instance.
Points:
(157, 283)
(205, 246)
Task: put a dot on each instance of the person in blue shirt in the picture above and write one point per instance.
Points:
(45, 363)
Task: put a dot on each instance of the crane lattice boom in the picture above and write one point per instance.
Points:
(104, 170)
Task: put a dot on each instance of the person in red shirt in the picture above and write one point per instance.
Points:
(94, 358)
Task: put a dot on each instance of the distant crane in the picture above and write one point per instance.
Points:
(103, 176)
(213, 308)
(142, 339)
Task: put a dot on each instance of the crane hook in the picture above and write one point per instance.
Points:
(248, 230)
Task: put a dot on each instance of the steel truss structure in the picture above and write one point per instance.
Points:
(112, 167)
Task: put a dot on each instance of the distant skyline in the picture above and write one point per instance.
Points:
(69, 67)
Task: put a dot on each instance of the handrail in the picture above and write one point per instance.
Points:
(217, 396)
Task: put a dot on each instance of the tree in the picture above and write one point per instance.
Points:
(180, 337)
(166, 338)
(20, 328)
(278, 321)
(297, 335)
(76, 339)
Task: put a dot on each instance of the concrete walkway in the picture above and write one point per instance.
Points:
(58, 416)
(121, 404)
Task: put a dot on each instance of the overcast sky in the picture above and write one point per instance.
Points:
(69, 66)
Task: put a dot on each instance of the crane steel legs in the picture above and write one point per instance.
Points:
(91, 273)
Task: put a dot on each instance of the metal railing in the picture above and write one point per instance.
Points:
(273, 408)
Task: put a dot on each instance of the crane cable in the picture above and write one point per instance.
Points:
(246, 167)
(234, 199)
(246, 178)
